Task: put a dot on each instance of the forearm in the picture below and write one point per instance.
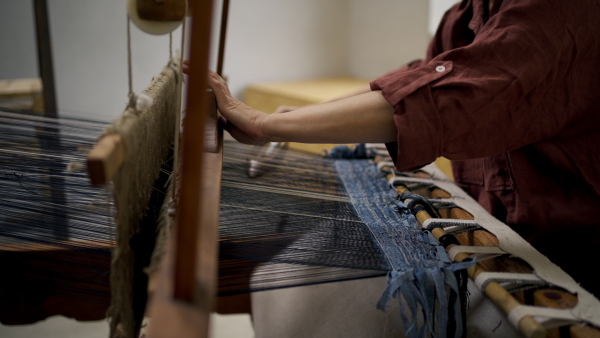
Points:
(362, 90)
(365, 117)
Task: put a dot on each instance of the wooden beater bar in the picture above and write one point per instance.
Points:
(186, 281)
(190, 200)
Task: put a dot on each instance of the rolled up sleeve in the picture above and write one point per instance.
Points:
(494, 95)
(415, 113)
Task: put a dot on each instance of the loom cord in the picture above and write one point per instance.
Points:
(55, 228)
(33, 162)
(293, 225)
(298, 223)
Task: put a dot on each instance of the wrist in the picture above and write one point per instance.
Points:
(264, 125)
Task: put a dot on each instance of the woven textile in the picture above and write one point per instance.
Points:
(420, 273)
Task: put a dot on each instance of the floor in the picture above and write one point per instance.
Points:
(224, 326)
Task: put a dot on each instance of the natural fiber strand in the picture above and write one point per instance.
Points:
(148, 136)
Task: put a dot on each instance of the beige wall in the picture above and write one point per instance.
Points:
(268, 40)
(384, 34)
(272, 40)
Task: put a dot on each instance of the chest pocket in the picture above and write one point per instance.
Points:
(497, 173)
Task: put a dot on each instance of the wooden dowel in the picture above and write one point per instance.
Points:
(44, 48)
(105, 159)
(502, 298)
(222, 37)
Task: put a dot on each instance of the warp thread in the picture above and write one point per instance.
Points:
(360, 151)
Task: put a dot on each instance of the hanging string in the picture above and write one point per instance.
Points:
(130, 95)
(170, 46)
(178, 112)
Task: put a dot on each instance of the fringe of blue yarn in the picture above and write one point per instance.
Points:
(421, 277)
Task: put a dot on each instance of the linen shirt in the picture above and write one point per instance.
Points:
(511, 94)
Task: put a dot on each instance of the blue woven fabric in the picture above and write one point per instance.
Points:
(421, 277)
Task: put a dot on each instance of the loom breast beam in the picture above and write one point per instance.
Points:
(528, 326)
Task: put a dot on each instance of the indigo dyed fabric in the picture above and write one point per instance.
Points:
(421, 276)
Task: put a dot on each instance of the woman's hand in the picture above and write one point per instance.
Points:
(185, 67)
(242, 122)
(361, 118)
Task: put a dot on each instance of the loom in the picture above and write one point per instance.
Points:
(183, 286)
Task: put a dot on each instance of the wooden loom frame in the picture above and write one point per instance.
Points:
(182, 291)
(186, 284)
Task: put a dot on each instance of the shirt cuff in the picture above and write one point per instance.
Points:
(395, 86)
(420, 131)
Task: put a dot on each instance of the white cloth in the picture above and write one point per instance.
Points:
(347, 310)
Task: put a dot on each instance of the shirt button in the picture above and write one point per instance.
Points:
(440, 69)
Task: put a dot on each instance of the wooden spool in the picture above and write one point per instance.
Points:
(161, 10)
(155, 16)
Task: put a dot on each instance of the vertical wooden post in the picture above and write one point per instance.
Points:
(44, 46)
(185, 284)
(189, 199)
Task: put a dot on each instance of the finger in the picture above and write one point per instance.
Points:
(214, 80)
(222, 93)
(223, 122)
(185, 66)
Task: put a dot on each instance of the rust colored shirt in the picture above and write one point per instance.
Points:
(511, 94)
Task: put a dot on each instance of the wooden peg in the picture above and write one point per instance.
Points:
(105, 159)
